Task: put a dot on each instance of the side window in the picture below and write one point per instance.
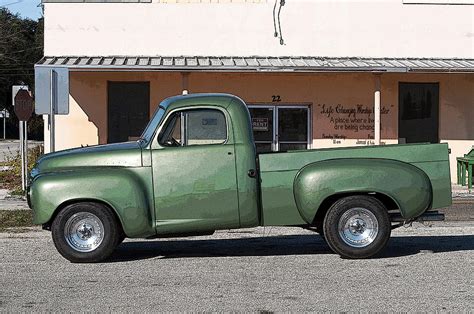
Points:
(204, 127)
(171, 133)
(195, 127)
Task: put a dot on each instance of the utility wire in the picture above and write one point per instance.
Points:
(16, 74)
(282, 3)
(18, 69)
(274, 19)
(16, 64)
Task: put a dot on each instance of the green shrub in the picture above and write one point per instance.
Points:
(11, 179)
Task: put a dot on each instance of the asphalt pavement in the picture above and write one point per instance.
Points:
(260, 269)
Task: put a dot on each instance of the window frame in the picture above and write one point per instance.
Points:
(156, 144)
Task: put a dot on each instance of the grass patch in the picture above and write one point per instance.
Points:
(8, 180)
(15, 220)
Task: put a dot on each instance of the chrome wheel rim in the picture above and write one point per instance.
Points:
(358, 227)
(84, 232)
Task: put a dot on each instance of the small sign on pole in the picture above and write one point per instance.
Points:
(23, 107)
(4, 114)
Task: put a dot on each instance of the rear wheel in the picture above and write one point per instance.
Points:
(357, 226)
(86, 232)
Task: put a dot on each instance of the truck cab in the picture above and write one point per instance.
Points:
(203, 163)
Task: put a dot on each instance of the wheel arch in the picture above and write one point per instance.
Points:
(120, 189)
(66, 203)
(396, 184)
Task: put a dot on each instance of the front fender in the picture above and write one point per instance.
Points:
(125, 190)
(408, 186)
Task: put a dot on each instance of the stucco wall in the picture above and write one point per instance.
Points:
(87, 122)
(386, 28)
(88, 104)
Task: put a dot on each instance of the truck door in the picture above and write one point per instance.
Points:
(194, 172)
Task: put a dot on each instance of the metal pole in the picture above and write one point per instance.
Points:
(22, 153)
(26, 153)
(52, 104)
(4, 122)
(377, 109)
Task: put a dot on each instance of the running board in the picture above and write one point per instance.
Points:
(427, 216)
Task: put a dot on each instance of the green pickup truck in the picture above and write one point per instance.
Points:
(195, 170)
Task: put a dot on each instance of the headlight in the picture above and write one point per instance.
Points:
(33, 173)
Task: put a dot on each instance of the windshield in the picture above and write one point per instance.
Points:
(150, 129)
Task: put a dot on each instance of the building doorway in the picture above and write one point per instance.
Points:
(128, 110)
(280, 128)
(418, 112)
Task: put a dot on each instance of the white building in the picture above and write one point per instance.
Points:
(411, 59)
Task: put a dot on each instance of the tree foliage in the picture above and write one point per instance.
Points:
(21, 46)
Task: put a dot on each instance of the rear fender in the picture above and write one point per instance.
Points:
(121, 189)
(408, 186)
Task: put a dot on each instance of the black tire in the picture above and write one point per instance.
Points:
(343, 208)
(110, 237)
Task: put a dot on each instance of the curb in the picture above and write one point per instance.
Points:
(463, 200)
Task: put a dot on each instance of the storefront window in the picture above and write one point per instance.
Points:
(280, 128)
(418, 112)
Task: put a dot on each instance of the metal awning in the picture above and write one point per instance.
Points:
(270, 64)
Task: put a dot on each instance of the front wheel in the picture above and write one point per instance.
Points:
(86, 232)
(357, 226)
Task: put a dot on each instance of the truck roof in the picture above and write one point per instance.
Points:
(199, 99)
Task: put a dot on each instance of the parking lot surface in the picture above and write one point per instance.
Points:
(259, 269)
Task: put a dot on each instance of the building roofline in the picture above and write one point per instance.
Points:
(258, 64)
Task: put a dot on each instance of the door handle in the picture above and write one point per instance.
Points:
(252, 173)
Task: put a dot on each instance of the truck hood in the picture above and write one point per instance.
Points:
(126, 154)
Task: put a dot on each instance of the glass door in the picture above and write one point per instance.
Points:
(263, 128)
(292, 128)
(280, 128)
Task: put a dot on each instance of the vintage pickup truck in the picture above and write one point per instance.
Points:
(195, 170)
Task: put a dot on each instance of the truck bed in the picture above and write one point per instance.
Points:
(279, 170)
